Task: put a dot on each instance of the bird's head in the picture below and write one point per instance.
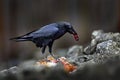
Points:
(68, 27)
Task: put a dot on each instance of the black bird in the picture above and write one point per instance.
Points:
(46, 35)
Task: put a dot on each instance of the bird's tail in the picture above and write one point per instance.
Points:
(21, 38)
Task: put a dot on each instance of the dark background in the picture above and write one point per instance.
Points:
(18, 17)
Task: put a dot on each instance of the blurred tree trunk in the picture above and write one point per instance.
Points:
(118, 16)
(6, 29)
(1, 28)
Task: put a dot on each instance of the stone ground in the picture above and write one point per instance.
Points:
(100, 60)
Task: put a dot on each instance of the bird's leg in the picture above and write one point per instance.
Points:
(50, 50)
(43, 51)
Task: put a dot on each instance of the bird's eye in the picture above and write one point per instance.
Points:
(68, 26)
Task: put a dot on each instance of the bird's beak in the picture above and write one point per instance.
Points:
(72, 31)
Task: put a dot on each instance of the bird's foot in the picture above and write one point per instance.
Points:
(52, 55)
(52, 58)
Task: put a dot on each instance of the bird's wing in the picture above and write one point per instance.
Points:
(46, 31)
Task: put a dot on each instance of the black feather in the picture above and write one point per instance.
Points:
(18, 39)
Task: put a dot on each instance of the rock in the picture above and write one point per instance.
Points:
(90, 49)
(100, 60)
(108, 47)
(97, 33)
(13, 70)
(79, 59)
(4, 72)
(75, 51)
(100, 36)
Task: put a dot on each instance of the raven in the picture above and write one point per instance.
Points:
(46, 35)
